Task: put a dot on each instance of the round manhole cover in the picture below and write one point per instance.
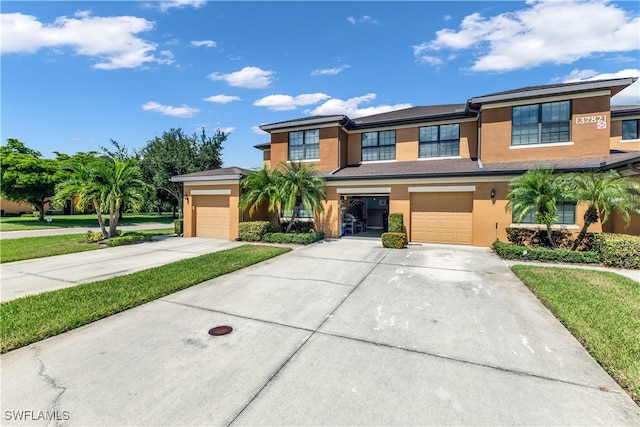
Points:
(220, 330)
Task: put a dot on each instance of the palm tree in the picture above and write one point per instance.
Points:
(300, 185)
(538, 191)
(259, 186)
(604, 193)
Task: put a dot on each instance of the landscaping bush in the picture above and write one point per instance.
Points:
(618, 250)
(299, 238)
(178, 226)
(298, 227)
(394, 240)
(129, 239)
(508, 251)
(93, 236)
(396, 223)
(252, 231)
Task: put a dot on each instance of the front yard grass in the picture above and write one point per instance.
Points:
(88, 220)
(34, 318)
(601, 309)
(45, 246)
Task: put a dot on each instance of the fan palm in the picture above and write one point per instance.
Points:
(258, 187)
(300, 185)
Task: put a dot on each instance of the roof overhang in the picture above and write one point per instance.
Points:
(304, 122)
(186, 178)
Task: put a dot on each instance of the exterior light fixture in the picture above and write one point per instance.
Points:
(493, 193)
(186, 197)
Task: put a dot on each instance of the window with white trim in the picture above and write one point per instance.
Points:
(439, 141)
(629, 129)
(304, 145)
(566, 215)
(541, 123)
(379, 145)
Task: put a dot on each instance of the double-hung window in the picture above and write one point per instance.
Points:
(629, 129)
(541, 123)
(304, 145)
(379, 145)
(566, 214)
(439, 141)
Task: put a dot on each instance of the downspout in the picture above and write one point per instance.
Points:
(477, 112)
(339, 151)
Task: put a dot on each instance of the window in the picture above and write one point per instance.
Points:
(302, 213)
(379, 145)
(566, 215)
(439, 141)
(629, 129)
(541, 123)
(304, 145)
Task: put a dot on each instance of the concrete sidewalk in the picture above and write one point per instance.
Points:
(76, 230)
(336, 333)
(38, 275)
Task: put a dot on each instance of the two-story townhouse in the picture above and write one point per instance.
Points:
(447, 167)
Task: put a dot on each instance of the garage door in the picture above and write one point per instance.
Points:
(441, 217)
(212, 216)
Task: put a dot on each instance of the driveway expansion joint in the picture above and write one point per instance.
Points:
(300, 279)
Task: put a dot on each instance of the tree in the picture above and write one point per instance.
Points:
(258, 187)
(538, 191)
(109, 182)
(604, 193)
(300, 186)
(175, 153)
(26, 176)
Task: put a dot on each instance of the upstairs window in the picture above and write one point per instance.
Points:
(566, 215)
(629, 129)
(541, 123)
(439, 141)
(304, 145)
(379, 145)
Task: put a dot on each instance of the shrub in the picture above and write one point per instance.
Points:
(298, 226)
(538, 237)
(252, 231)
(618, 250)
(178, 226)
(394, 240)
(128, 239)
(396, 223)
(93, 236)
(299, 238)
(508, 251)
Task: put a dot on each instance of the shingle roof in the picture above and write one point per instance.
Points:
(623, 110)
(412, 113)
(214, 173)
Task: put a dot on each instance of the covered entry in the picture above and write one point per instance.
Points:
(442, 214)
(212, 215)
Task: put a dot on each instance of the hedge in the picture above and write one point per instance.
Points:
(298, 238)
(508, 251)
(394, 240)
(253, 231)
(178, 226)
(396, 223)
(129, 239)
(618, 250)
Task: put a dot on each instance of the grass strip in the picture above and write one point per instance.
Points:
(33, 318)
(85, 220)
(45, 246)
(601, 309)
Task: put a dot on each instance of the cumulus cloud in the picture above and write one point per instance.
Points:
(248, 77)
(352, 107)
(287, 102)
(365, 19)
(329, 71)
(205, 43)
(222, 99)
(629, 96)
(256, 129)
(543, 32)
(111, 41)
(183, 111)
(179, 4)
(227, 130)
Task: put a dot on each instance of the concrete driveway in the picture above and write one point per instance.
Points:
(337, 333)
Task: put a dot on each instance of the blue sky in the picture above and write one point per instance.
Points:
(76, 74)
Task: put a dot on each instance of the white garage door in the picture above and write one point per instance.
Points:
(441, 217)
(212, 216)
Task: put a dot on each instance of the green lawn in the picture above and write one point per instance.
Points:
(34, 318)
(601, 309)
(70, 221)
(40, 247)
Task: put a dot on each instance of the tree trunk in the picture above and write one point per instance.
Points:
(103, 228)
(590, 216)
(550, 236)
(294, 215)
(40, 206)
(114, 217)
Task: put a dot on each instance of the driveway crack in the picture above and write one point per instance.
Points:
(49, 380)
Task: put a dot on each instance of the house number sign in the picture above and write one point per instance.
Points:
(600, 121)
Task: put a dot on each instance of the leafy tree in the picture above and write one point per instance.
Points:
(604, 193)
(26, 176)
(538, 191)
(258, 187)
(175, 153)
(300, 186)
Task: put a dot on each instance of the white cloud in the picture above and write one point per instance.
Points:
(544, 32)
(329, 71)
(365, 19)
(205, 43)
(256, 129)
(629, 96)
(351, 107)
(183, 111)
(178, 4)
(248, 77)
(111, 41)
(287, 102)
(447, 17)
(222, 99)
(227, 129)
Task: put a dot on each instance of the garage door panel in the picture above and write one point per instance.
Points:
(212, 216)
(441, 217)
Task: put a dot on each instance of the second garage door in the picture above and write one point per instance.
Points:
(212, 216)
(441, 217)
